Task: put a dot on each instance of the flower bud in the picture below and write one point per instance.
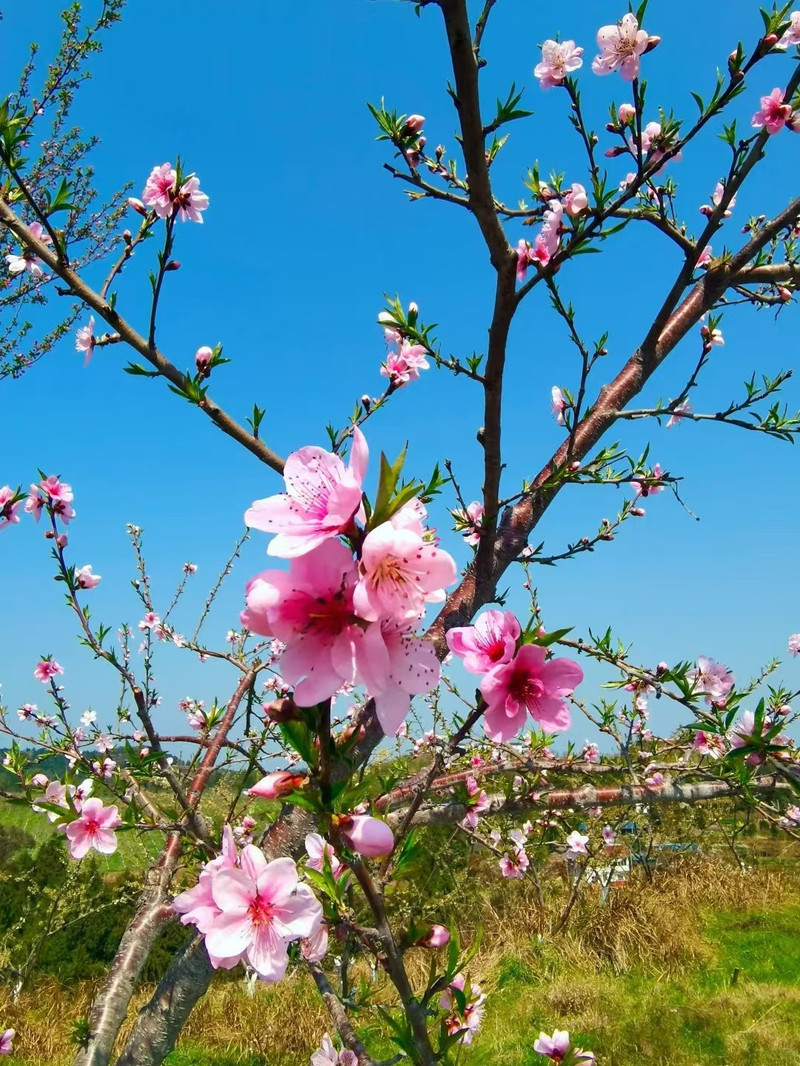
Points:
(413, 124)
(784, 293)
(281, 710)
(436, 937)
(652, 42)
(273, 786)
(127, 236)
(639, 512)
(769, 40)
(366, 402)
(173, 264)
(625, 113)
(365, 835)
(202, 357)
(136, 205)
(612, 153)
(440, 150)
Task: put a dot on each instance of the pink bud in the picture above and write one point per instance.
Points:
(202, 357)
(61, 540)
(173, 264)
(273, 786)
(652, 42)
(367, 836)
(436, 937)
(413, 124)
(626, 112)
(612, 153)
(755, 758)
(137, 205)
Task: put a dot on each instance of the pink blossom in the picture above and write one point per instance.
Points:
(9, 508)
(273, 786)
(648, 485)
(94, 828)
(262, 907)
(310, 609)
(523, 259)
(608, 835)
(399, 573)
(774, 113)
(792, 34)
(317, 849)
(655, 780)
(85, 579)
(315, 947)
(794, 644)
(683, 408)
(6, 1040)
(47, 669)
(576, 844)
(55, 794)
(558, 60)
(160, 189)
(576, 201)
(436, 937)
(705, 256)
(529, 683)
(514, 867)
(620, 48)
(468, 1023)
(711, 678)
(492, 640)
(366, 835)
(559, 405)
(150, 621)
(17, 264)
(394, 665)
(553, 1047)
(404, 364)
(321, 499)
(716, 200)
(191, 201)
(472, 517)
(57, 493)
(85, 340)
(708, 744)
(327, 1055)
(196, 905)
(477, 805)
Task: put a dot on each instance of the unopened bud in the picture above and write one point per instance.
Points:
(413, 124)
(769, 40)
(436, 937)
(137, 205)
(421, 143)
(575, 465)
(281, 710)
(612, 153)
(784, 293)
(661, 669)
(439, 152)
(173, 264)
(202, 357)
(639, 512)
(127, 236)
(366, 402)
(652, 42)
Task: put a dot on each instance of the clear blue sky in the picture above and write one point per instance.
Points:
(266, 102)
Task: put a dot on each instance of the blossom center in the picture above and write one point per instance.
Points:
(526, 689)
(260, 912)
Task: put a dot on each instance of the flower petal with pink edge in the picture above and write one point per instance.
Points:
(277, 880)
(233, 890)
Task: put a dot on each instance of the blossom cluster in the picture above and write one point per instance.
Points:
(517, 678)
(355, 592)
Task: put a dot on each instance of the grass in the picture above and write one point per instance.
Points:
(700, 968)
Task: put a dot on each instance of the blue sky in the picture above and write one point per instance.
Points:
(304, 234)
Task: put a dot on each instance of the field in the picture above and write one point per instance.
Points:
(698, 967)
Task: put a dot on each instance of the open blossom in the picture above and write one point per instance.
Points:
(161, 194)
(515, 866)
(321, 499)
(620, 48)
(9, 508)
(558, 405)
(310, 609)
(57, 493)
(792, 34)
(468, 1023)
(711, 678)
(404, 363)
(314, 948)
(327, 1055)
(558, 60)
(477, 805)
(575, 200)
(528, 684)
(626, 112)
(555, 1047)
(710, 744)
(366, 835)
(773, 114)
(471, 517)
(85, 579)
(47, 669)
(395, 665)
(576, 844)
(317, 849)
(678, 412)
(85, 340)
(262, 908)
(716, 200)
(490, 641)
(794, 644)
(6, 1041)
(608, 835)
(17, 264)
(399, 573)
(94, 828)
